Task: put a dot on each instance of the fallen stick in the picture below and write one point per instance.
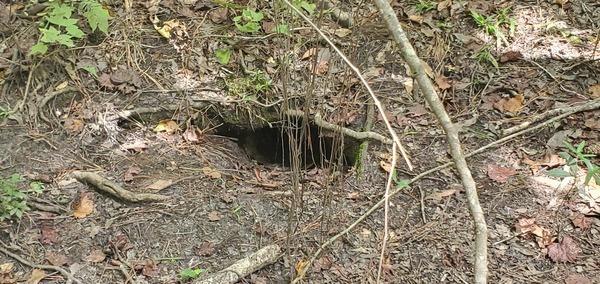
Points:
(243, 267)
(113, 189)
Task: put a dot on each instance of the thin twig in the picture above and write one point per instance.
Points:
(386, 210)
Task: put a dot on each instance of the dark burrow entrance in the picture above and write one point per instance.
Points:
(274, 145)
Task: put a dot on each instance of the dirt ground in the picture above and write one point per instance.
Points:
(167, 118)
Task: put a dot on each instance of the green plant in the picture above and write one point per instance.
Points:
(59, 27)
(400, 183)
(260, 81)
(576, 158)
(304, 5)
(282, 29)
(189, 274)
(249, 21)
(484, 55)
(425, 6)
(13, 201)
(4, 112)
(493, 25)
(223, 56)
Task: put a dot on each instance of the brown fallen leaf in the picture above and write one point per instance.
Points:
(160, 184)
(48, 235)
(499, 173)
(510, 105)
(213, 216)
(577, 279)
(95, 256)
(84, 207)
(300, 266)
(131, 172)
(565, 251)
(168, 126)
(443, 82)
(594, 91)
(437, 196)
(581, 221)
(36, 276)
(309, 53)
(57, 259)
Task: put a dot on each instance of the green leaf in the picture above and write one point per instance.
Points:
(92, 70)
(256, 16)
(61, 21)
(223, 56)
(15, 178)
(580, 147)
(403, 183)
(479, 19)
(49, 35)
(65, 40)
(282, 29)
(63, 10)
(565, 156)
(310, 8)
(37, 187)
(74, 31)
(559, 173)
(190, 273)
(98, 17)
(569, 146)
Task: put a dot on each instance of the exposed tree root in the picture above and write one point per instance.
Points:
(112, 189)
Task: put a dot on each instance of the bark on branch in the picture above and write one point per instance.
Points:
(410, 56)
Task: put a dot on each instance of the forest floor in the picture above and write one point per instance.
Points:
(165, 117)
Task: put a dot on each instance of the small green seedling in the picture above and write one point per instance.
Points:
(304, 5)
(260, 80)
(13, 201)
(4, 112)
(484, 55)
(249, 21)
(574, 159)
(400, 183)
(493, 25)
(189, 274)
(425, 6)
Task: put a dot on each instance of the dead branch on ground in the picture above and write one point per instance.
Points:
(244, 267)
(113, 189)
(410, 56)
(364, 135)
